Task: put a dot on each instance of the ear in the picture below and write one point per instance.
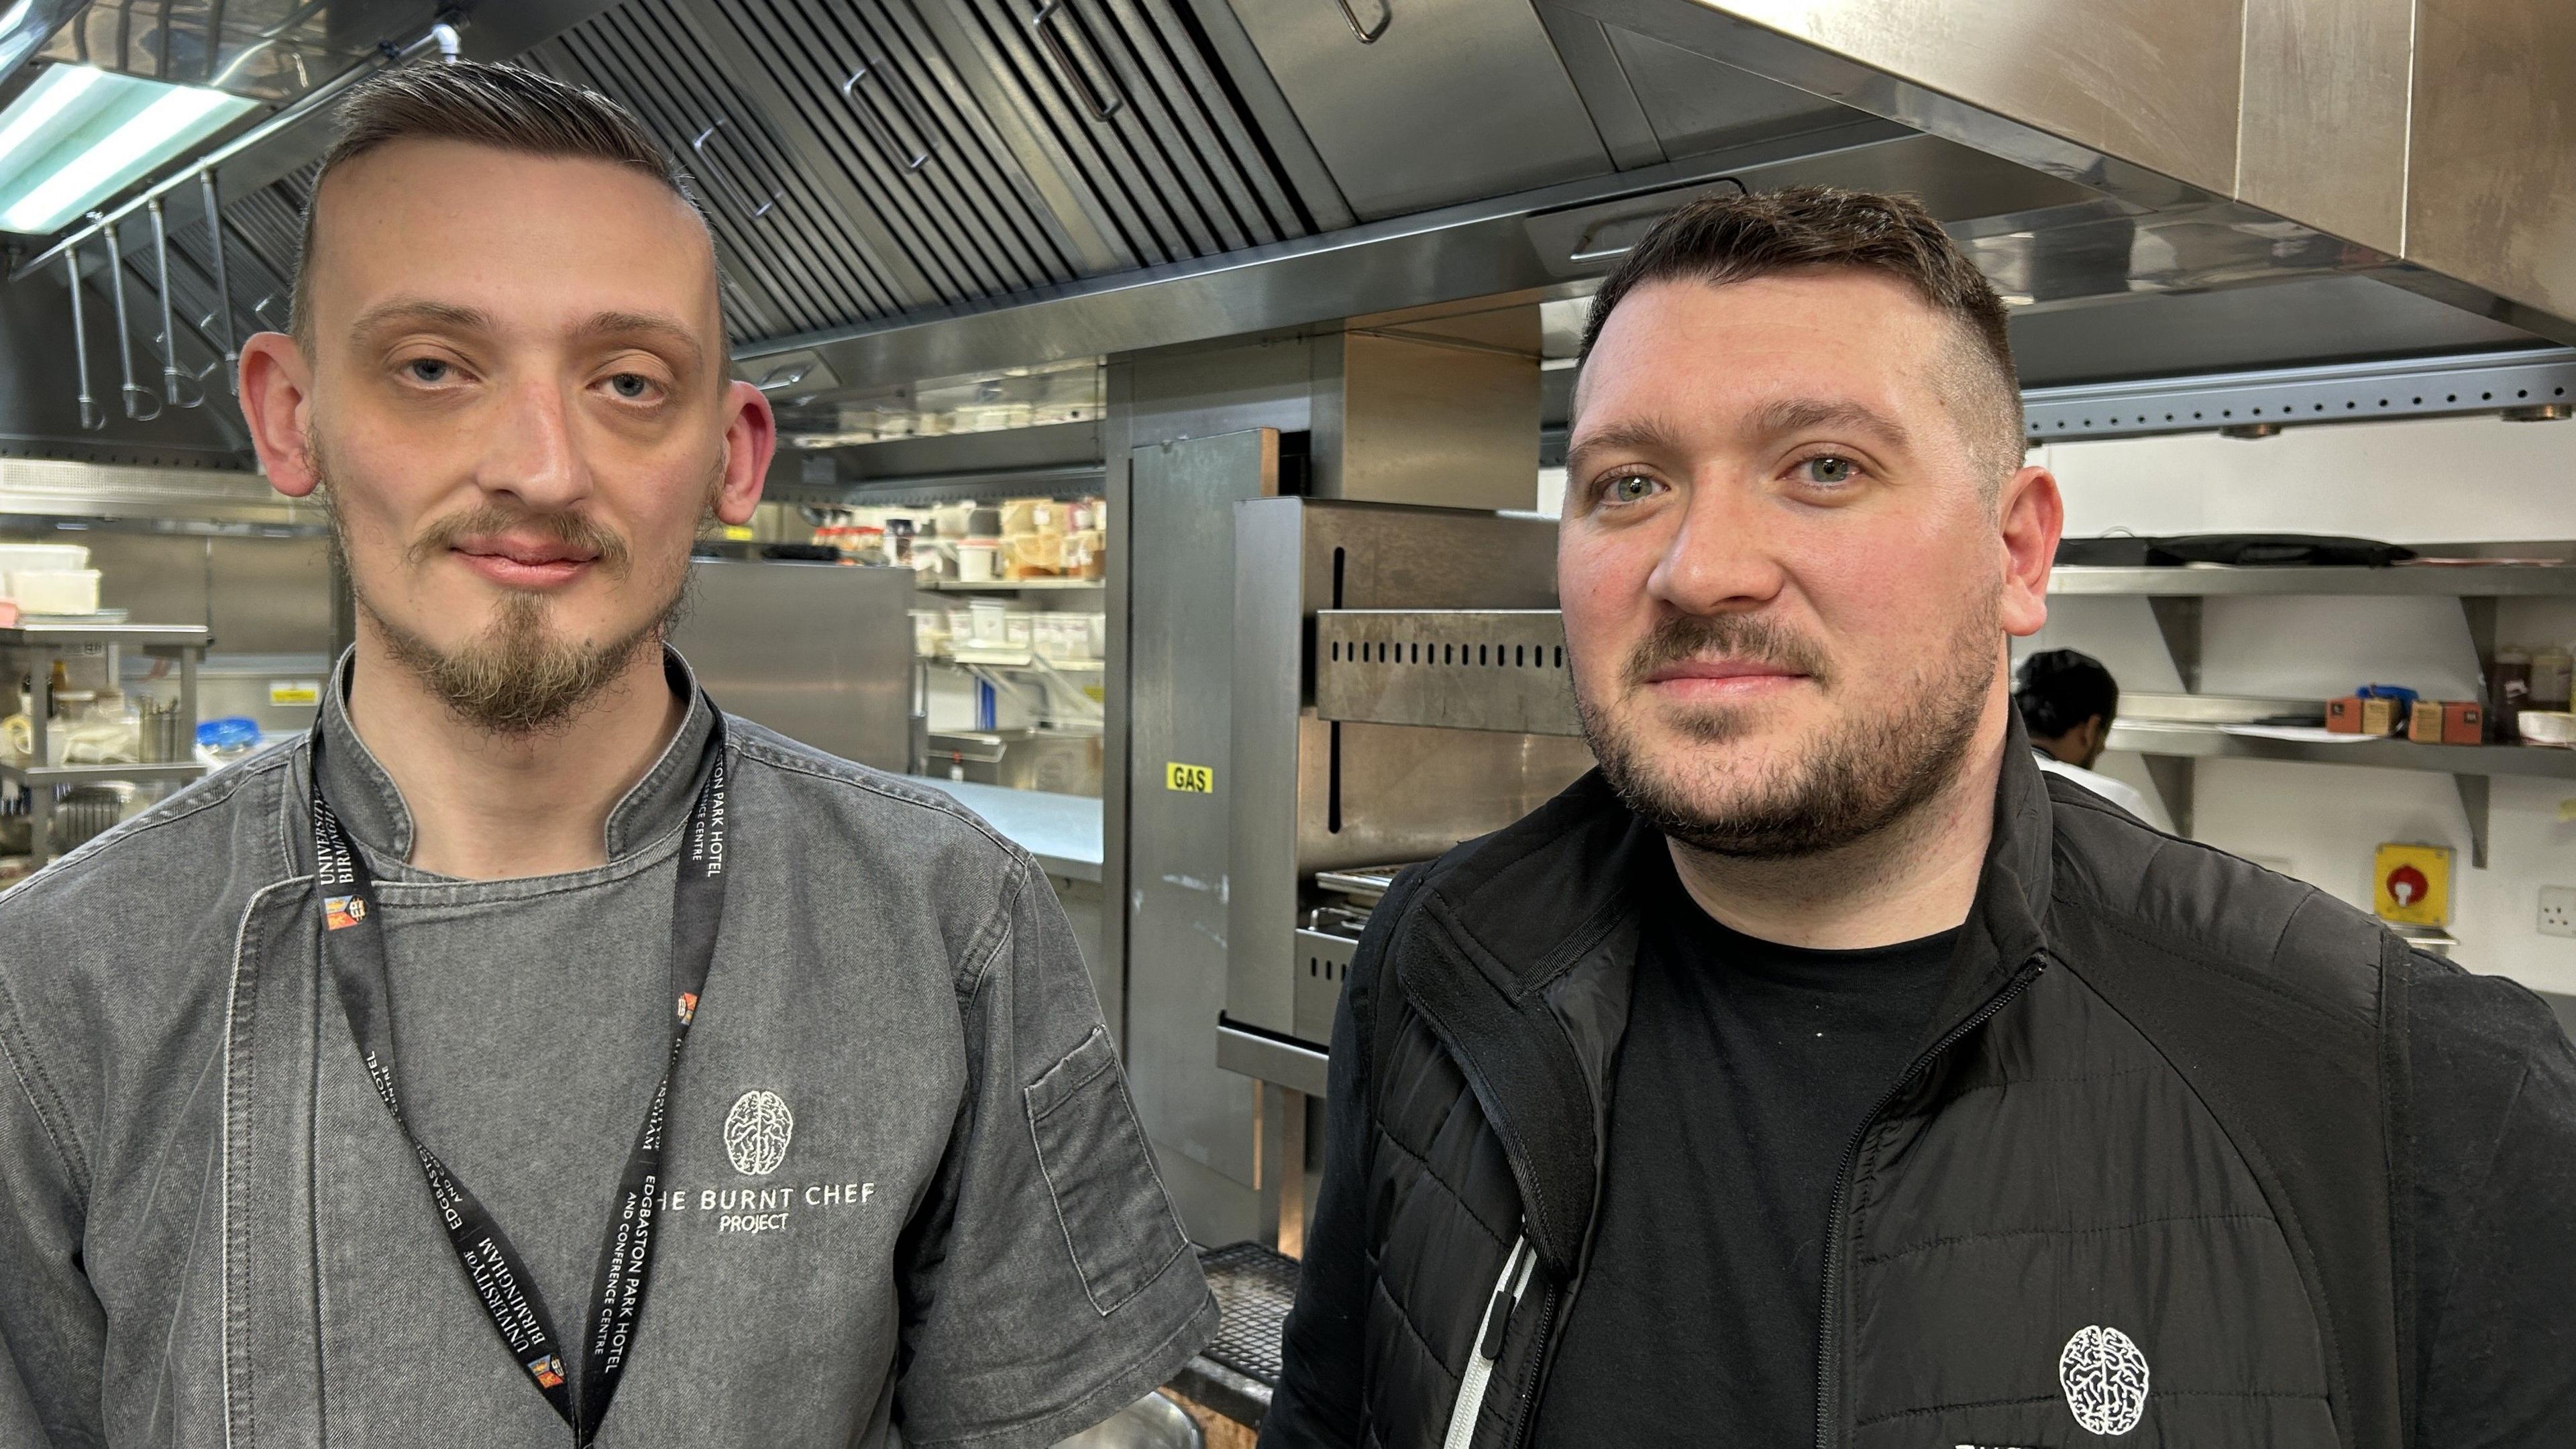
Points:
(2032, 516)
(276, 400)
(751, 440)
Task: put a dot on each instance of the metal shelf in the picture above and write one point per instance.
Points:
(1015, 659)
(148, 636)
(2203, 741)
(75, 774)
(2171, 746)
(1012, 586)
(2497, 581)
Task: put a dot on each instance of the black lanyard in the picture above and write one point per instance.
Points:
(353, 945)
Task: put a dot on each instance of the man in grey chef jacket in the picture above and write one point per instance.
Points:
(535, 1051)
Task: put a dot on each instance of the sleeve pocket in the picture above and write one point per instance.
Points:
(1109, 1199)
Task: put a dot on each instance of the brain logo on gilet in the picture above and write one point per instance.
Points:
(756, 1133)
(2105, 1378)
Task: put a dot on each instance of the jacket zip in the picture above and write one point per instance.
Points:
(1489, 1344)
(1539, 1353)
(1828, 1342)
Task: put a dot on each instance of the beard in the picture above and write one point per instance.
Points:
(1865, 773)
(520, 676)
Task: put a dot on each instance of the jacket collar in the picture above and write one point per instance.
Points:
(377, 817)
(1506, 919)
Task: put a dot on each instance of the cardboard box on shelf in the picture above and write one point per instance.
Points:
(2343, 716)
(2464, 722)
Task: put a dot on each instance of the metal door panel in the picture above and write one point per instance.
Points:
(1180, 673)
(1454, 100)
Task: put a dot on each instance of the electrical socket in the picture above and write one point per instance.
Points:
(2558, 910)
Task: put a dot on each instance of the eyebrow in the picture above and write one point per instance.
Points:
(420, 310)
(667, 330)
(1628, 435)
(417, 311)
(1799, 415)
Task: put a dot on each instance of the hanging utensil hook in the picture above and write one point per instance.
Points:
(172, 374)
(92, 416)
(223, 288)
(141, 404)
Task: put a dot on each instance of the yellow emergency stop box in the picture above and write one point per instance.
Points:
(2412, 885)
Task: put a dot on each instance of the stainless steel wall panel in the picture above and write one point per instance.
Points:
(1180, 670)
(817, 652)
(1414, 419)
(2491, 173)
(1454, 99)
(2322, 138)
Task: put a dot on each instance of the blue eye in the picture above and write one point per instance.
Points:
(632, 386)
(427, 370)
(1628, 488)
(1829, 470)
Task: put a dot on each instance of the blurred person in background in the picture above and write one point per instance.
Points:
(2067, 702)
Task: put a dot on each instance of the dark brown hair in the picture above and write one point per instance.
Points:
(502, 106)
(1736, 238)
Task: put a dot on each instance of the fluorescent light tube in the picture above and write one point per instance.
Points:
(78, 136)
(51, 95)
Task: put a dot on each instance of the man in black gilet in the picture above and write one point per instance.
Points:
(1819, 1071)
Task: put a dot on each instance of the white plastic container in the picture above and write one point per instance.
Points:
(42, 556)
(990, 631)
(979, 560)
(55, 591)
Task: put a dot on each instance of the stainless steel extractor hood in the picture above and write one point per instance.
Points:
(905, 189)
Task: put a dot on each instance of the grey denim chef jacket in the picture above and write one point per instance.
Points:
(211, 1232)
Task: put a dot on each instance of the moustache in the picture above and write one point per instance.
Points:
(569, 529)
(1749, 637)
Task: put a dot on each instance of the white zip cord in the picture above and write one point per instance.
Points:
(1480, 1369)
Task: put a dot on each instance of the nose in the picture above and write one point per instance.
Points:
(1723, 556)
(534, 455)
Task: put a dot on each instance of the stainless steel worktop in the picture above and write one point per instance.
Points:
(1062, 831)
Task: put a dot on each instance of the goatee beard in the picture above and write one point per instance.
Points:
(518, 678)
(1872, 772)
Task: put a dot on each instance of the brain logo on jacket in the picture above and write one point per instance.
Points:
(2105, 1378)
(756, 1133)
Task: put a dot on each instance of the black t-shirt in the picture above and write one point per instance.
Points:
(1745, 1072)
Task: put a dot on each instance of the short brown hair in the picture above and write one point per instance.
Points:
(503, 106)
(1738, 237)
